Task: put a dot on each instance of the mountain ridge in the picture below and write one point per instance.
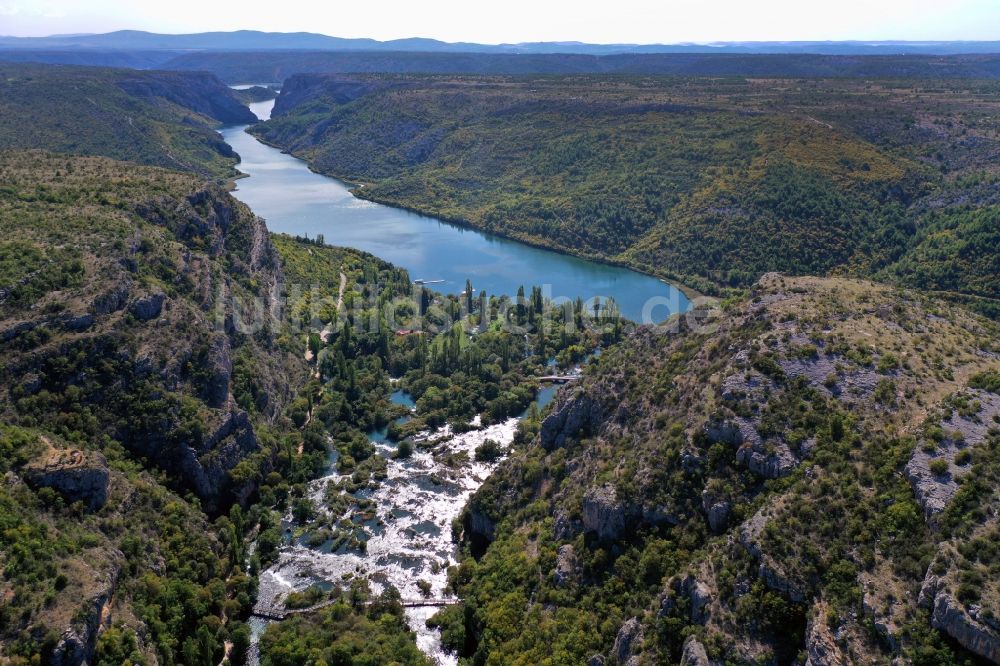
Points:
(256, 39)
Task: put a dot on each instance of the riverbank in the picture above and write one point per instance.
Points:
(300, 201)
(362, 190)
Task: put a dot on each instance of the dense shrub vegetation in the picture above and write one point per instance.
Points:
(712, 181)
(837, 539)
(155, 118)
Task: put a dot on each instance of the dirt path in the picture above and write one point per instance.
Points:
(340, 292)
(327, 331)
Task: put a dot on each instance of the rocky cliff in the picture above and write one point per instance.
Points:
(199, 91)
(748, 487)
(165, 119)
(142, 381)
(173, 300)
(325, 92)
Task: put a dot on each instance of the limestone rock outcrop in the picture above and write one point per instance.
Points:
(147, 307)
(629, 638)
(603, 513)
(78, 476)
(952, 618)
(566, 565)
(694, 653)
(575, 416)
(821, 646)
(78, 641)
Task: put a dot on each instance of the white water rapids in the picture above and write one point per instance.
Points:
(410, 536)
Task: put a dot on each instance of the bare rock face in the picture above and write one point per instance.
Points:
(578, 415)
(744, 385)
(768, 570)
(78, 322)
(821, 647)
(566, 565)
(478, 524)
(700, 596)
(147, 307)
(935, 491)
(112, 300)
(694, 653)
(603, 513)
(221, 369)
(207, 467)
(77, 643)
(76, 475)
(566, 528)
(718, 515)
(717, 509)
(951, 617)
(737, 432)
(771, 459)
(628, 639)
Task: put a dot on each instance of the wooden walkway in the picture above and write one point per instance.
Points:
(559, 379)
(278, 615)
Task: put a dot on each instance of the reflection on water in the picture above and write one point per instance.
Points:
(293, 199)
(381, 435)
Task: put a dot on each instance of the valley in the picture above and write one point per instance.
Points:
(710, 182)
(439, 384)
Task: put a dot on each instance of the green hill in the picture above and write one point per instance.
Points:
(121, 426)
(810, 473)
(155, 118)
(710, 181)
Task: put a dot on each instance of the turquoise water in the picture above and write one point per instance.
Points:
(400, 397)
(403, 398)
(294, 200)
(546, 395)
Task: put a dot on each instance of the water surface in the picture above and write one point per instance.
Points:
(294, 200)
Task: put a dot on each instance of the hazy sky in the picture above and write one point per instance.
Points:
(636, 21)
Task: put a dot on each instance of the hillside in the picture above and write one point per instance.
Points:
(810, 474)
(171, 380)
(710, 181)
(123, 314)
(162, 119)
(262, 66)
(124, 357)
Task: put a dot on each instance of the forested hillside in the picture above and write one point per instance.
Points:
(121, 366)
(262, 66)
(155, 118)
(810, 474)
(172, 379)
(710, 181)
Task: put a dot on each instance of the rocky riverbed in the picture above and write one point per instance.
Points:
(408, 534)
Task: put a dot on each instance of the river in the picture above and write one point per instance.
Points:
(408, 537)
(294, 200)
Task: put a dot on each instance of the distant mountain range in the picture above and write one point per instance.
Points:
(252, 40)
